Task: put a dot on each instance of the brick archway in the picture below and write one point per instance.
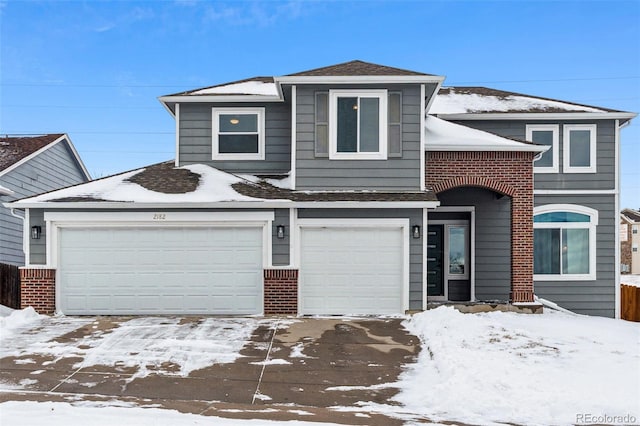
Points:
(507, 173)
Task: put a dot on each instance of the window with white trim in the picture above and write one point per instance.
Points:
(238, 134)
(579, 148)
(634, 247)
(545, 134)
(358, 124)
(564, 243)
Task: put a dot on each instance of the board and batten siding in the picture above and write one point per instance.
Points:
(195, 144)
(587, 297)
(52, 169)
(280, 247)
(415, 244)
(605, 152)
(393, 174)
(492, 238)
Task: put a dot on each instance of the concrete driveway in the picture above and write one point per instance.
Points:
(272, 368)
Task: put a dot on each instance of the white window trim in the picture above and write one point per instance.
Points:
(554, 168)
(382, 153)
(592, 168)
(216, 155)
(591, 226)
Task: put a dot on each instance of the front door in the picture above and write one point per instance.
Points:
(448, 261)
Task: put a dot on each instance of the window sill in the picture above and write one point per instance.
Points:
(357, 156)
(568, 277)
(568, 170)
(237, 157)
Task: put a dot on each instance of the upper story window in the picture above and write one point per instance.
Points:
(545, 134)
(579, 141)
(564, 243)
(634, 229)
(238, 133)
(358, 124)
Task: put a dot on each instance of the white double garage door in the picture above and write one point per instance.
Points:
(174, 269)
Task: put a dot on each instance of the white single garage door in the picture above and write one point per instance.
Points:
(160, 270)
(351, 270)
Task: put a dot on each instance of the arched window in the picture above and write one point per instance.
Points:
(564, 241)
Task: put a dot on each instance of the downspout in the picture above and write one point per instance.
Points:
(24, 229)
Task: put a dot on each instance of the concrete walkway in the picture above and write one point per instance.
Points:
(289, 369)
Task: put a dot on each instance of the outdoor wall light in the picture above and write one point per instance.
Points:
(280, 232)
(36, 231)
(234, 121)
(416, 231)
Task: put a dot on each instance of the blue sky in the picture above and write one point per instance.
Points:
(94, 69)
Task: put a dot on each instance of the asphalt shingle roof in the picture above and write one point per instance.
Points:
(14, 149)
(355, 68)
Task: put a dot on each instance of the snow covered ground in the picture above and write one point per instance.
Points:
(549, 369)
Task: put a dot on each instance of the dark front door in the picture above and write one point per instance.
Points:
(435, 260)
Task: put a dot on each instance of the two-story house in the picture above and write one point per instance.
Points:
(349, 189)
(30, 165)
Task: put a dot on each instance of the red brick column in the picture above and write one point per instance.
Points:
(38, 289)
(507, 173)
(280, 291)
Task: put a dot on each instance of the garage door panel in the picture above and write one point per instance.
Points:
(160, 270)
(357, 270)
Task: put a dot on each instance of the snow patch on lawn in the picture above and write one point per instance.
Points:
(274, 361)
(28, 413)
(524, 369)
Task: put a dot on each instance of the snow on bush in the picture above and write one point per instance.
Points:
(531, 369)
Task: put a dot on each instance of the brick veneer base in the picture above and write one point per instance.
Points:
(508, 173)
(38, 289)
(280, 291)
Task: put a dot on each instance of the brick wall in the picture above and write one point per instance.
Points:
(38, 289)
(280, 291)
(507, 173)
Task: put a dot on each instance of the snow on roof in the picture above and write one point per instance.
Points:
(214, 186)
(252, 87)
(442, 135)
(467, 100)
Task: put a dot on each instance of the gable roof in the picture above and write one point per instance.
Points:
(458, 101)
(632, 215)
(17, 150)
(356, 68)
(249, 86)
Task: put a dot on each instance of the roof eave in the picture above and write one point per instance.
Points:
(220, 98)
(263, 204)
(536, 115)
(490, 148)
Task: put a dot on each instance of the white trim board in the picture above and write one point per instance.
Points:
(294, 134)
(539, 116)
(574, 191)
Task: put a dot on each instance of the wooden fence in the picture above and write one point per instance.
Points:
(630, 302)
(9, 286)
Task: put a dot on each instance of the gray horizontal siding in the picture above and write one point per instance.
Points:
(605, 153)
(280, 247)
(415, 245)
(588, 297)
(195, 144)
(395, 173)
(492, 238)
(52, 169)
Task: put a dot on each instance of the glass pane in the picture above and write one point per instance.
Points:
(580, 148)
(543, 137)
(322, 139)
(546, 251)
(561, 217)
(237, 144)
(575, 251)
(240, 123)
(322, 107)
(457, 250)
(347, 125)
(369, 125)
(395, 147)
(394, 108)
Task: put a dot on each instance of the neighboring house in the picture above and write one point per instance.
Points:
(31, 165)
(630, 241)
(350, 189)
